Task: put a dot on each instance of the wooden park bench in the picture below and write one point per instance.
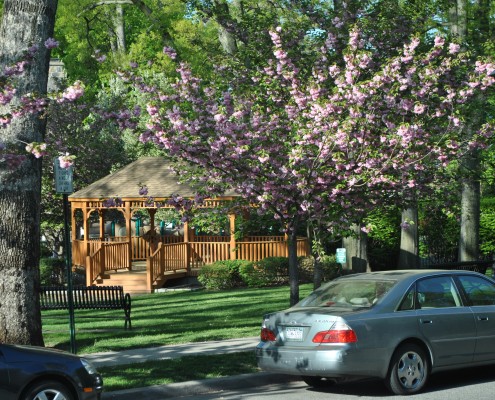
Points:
(87, 297)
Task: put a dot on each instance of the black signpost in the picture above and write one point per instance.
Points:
(63, 185)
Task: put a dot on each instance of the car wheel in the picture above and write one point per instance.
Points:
(409, 370)
(48, 390)
(317, 381)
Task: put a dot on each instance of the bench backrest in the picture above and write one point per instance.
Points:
(89, 297)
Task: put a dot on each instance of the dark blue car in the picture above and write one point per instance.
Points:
(37, 373)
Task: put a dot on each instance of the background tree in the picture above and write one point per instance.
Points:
(87, 37)
(99, 147)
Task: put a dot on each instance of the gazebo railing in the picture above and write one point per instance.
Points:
(178, 258)
(108, 257)
(257, 250)
(203, 253)
(166, 258)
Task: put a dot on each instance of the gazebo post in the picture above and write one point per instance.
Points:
(101, 215)
(233, 245)
(188, 246)
(128, 230)
(86, 230)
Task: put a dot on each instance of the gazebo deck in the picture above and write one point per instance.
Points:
(152, 265)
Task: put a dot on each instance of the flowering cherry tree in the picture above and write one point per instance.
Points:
(329, 147)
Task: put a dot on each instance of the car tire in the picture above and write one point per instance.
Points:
(409, 370)
(48, 390)
(317, 381)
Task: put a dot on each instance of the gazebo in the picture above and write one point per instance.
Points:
(140, 254)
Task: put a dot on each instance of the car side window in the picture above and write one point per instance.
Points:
(479, 291)
(437, 292)
(408, 301)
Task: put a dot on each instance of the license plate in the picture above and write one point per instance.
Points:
(294, 334)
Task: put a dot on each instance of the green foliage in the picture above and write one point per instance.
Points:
(222, 274)
(52, 271)
(439, 233)
(267, 272)
(487, 226)
(252, 223)
(384, 238)
(330, 269)
(229, 274)
(211, 221)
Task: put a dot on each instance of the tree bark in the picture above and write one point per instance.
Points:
(293, 268)
(118, 21)
(470, 209)
(409, 240)
(24, 23)
(471, 164)
(357, 250)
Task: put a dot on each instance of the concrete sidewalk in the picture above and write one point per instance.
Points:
(112, 358)
(183, 389)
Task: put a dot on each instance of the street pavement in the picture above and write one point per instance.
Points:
(189, 388)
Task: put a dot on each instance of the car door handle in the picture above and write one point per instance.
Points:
(482, 318)
(426, 321)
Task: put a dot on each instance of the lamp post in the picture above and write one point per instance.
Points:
(63, 185)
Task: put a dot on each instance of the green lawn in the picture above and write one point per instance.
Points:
(183, 369)
(169, 318)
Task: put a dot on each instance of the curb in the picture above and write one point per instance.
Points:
(205, 386)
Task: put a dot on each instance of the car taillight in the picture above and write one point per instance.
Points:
(338, 333)
(267, 335)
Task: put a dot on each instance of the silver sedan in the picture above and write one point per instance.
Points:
(400, 326)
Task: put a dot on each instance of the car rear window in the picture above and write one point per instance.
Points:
(348, 293)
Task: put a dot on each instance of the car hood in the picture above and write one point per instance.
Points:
(18, 353)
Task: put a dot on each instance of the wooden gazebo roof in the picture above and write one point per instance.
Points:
(154, 172)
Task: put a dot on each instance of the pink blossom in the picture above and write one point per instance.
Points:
(439, 41)
(454, 48)
(143, 190)
(169, 51)
(37, 149)
(51, 43)
(72, 93)
(66, 160)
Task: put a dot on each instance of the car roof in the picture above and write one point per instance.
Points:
(405, 274)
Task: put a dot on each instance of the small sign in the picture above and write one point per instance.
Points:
(341, 256)
(63, 178)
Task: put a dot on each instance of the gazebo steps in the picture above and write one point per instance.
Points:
(133, 282)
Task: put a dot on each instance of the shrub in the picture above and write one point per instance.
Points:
(222, 274)
(267, 272)
(330, 268)
(52, 271)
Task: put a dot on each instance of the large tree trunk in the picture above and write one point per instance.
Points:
(409, 240)
(24, 23)
(357, 250)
